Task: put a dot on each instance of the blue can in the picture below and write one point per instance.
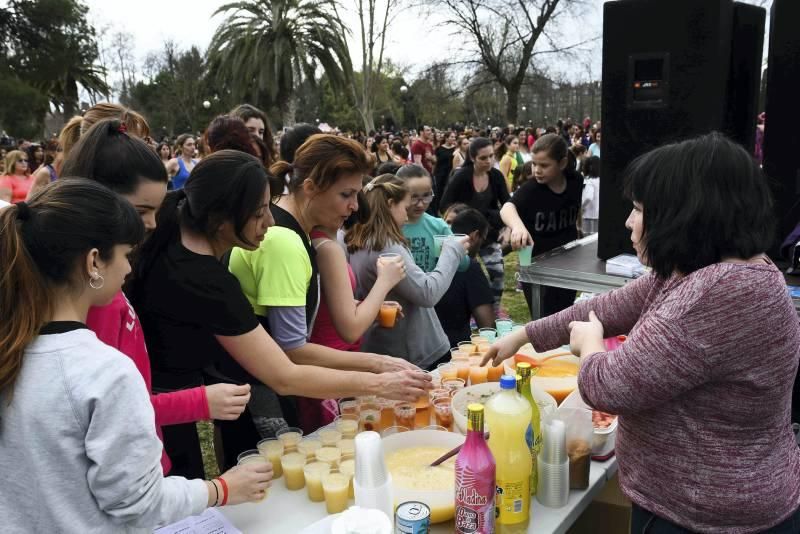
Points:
(412, 517)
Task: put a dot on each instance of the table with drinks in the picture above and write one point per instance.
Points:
(381, 451)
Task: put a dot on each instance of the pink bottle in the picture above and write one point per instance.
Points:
(475, 479)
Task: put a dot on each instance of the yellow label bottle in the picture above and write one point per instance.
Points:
(533, 435)
(508, 416)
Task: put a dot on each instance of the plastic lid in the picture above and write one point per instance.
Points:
(508, 382)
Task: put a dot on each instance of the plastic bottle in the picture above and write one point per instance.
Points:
(508, 416)
(534, 434)
(475, 479)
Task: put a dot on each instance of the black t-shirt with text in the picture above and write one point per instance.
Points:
(468, 290)
(549, 217)
(183, 303)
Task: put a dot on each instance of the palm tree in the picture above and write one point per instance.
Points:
(266, 48)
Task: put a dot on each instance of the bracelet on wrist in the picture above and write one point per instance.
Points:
(216, 491)
(224, 491)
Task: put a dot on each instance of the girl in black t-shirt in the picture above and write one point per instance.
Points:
(543, 212)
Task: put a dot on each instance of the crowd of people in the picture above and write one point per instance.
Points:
(240, 275)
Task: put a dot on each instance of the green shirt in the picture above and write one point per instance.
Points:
(420, 238)
(277, 273)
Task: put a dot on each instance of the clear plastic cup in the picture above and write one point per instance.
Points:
(253, 456)
(503, 325)
(443, 410)
(438, 240)
(348, 447)
(462, 369)
(309, 447)
(348, 469)
(329, 437)
(313, 474)
(347, 425)
(467, 347)
(329, 455)
(387, 314)
(387, 413)
(436, 393)
(404, 414)
(478, 375)
(489, 333)
(394, 430)
(292, 465)
(349, 406)
(525, 254)
(454, 384)
(336, 488)
(272, 450)
(370, 418)
(290, 437)
(447, 370)
(436, 427)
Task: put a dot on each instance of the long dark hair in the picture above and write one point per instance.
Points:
(228, 185)
(109, 155)
(41, 245)
(247, 112)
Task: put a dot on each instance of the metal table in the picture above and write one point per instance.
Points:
(576, 266)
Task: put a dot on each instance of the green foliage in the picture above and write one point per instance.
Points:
(22, 106)
(265, 48)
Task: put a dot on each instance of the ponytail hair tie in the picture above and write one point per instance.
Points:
(23, 211)
(370, 186)
(123, 128)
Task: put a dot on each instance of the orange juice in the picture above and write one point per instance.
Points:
(387, 315)
(423, 417)
(313, 474)
(495, 373)
(448, 371)
(272, 450)
(335, 487)
(348, 469)
(293, 464)
(478, 375)
(370, 418)
(387, 414)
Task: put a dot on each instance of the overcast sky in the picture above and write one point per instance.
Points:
(413, 40)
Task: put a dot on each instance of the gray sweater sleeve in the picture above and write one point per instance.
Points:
(124, 453)
(426, 289)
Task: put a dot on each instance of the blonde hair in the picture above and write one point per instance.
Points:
(380, 229)
(11, 161)
(79, 125)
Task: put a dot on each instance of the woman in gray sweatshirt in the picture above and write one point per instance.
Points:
(418, 337)
(78, 444)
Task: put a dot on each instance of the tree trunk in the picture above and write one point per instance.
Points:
(288, 110)
(70, 98)
(512, 101)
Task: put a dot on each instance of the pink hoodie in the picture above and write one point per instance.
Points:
(118, 326)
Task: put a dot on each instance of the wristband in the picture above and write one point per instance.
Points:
(224, 491)
(216, 491)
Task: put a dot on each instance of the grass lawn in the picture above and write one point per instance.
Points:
(513, 303)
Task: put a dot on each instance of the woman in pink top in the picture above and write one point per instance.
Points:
(16, 184)
(126, 165)
(703, 385)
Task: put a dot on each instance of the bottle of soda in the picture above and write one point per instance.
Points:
(475, 479)
(534, 434)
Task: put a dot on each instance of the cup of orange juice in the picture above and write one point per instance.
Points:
(387, 316)
(313, 474)
(335, 487)
(423, 415)
(447, 371)
(478, 375)
(272, 450)
(462, 368)
(292, 465)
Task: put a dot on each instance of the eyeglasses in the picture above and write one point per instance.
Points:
(22, 161)
(424, 199)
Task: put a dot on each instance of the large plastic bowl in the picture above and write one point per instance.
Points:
(441, 503)
(482, 392)
(604, 440)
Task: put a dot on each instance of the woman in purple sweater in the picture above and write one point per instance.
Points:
(703, 386)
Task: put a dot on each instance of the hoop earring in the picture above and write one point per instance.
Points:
(92, 281)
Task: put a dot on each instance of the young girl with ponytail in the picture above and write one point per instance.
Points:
(125, 164)
(77, 441)
(419, 337)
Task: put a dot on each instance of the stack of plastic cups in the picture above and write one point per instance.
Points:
(553, 465)
(372, 482)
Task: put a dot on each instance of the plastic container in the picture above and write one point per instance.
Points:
(372, 483)
(441, 503)
(558, 377)
(481, 393)
(603, 439)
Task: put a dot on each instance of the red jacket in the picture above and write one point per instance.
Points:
(118, 326)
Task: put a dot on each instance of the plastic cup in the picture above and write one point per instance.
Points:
(467, 347)
(456, 353)
(447, 370)
(272, 450)
(405, 414)
(347, 425)
(478, 375)
(443, 409)
(438, 240)
(438, 392)
(336, 489)
(329, 455)
(290, 437)
(349, 406)
(454, 384)
(348, 469)
(525, 256)
(253, 456)
(553, 483)
(423, 416)
(503, 325)
(387, 315)
(489, 333)
(369, 418)
(387, 413)
(328, 437)
(494, 373)
(348, 448)
(309, 447)
(394, 430)
(436, 379)
(389, 256)
(313, 474)
(477, 339)
(462, 369)
(371, 471)
(292, 465)
(436, 427)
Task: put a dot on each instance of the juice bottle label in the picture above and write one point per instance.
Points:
(474, 502)
(510, 501)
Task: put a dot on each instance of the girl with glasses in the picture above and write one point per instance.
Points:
(16, 184)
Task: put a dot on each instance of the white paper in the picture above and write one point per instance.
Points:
(209, 522)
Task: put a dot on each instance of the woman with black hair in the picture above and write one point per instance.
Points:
(703, 384)
(479, 185)
(79, 449)
(200, 327)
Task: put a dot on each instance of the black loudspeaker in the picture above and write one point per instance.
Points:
(782, 131)
(671, 70)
